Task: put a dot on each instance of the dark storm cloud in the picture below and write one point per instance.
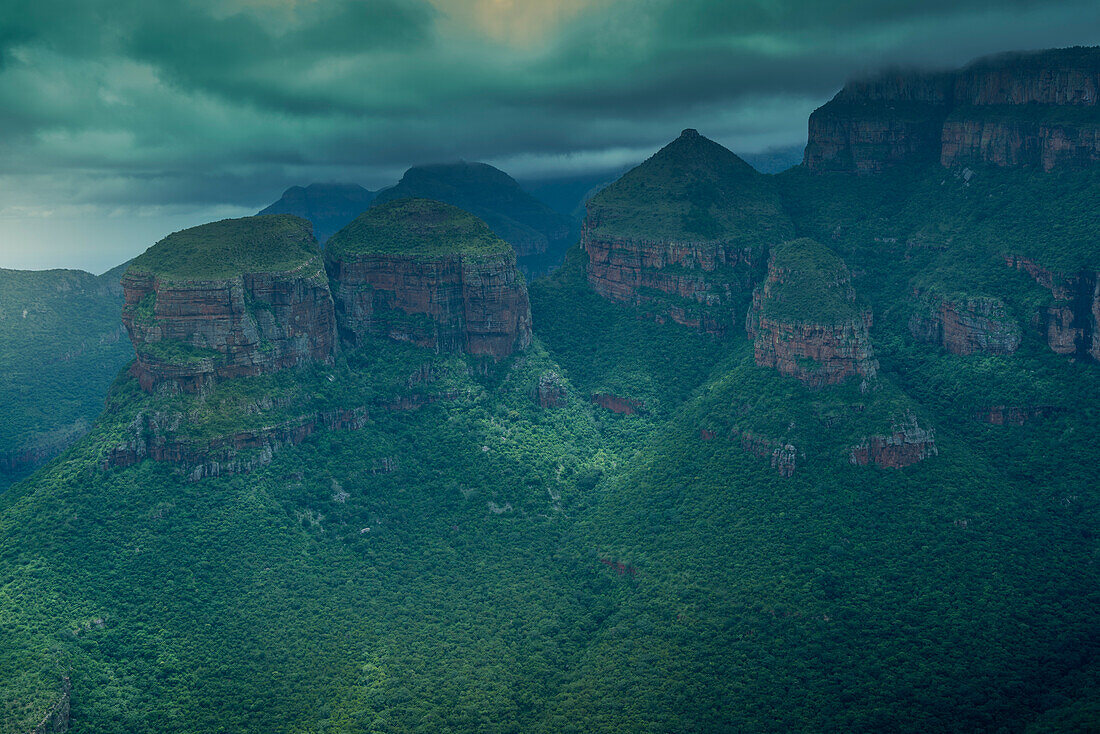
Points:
(137, 104)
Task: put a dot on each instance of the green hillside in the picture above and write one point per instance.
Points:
(470, 560)
(268, 243)
(416, 228)
(693, 189)
(53, 377)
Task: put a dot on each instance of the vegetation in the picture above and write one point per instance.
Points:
(416, 228)
(811, 285)
(53, 377)
(470, 560)
(692, 190)
(268, 243)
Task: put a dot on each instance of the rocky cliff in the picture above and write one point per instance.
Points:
(680, 235)
(965, 325)
(1036, 110)
(805, 320)
(428, 273)
(907, 443)
(233, 298)
(1071, 323)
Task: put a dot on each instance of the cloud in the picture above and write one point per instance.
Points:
(125, 104)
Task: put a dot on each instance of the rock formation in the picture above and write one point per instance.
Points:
(617, 404)
(1071, 324)
(965, 325)
(550, 392)
(329, 207)
(680, 235)
(907, 443)
(805, 321)
(1016, 415)
(782, 454)
(428, 273)
(539, 235)
(1037, 110)
(233, 298)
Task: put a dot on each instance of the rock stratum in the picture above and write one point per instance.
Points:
(680, 235)
(805, 320)
(1071, 323)
(1035, 110)
(429, 273)
(236, 298)
(965, 324)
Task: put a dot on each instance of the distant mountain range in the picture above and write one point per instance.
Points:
(329, 206)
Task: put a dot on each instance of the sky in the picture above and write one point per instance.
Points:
(124, 120)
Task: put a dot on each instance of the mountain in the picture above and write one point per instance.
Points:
(328, 206)
(1034, 110)
(61, 344)
(850, 485)
(681, 233)
(538, 234)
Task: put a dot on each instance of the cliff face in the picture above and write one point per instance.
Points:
(188, 333)
(965, 325)
(680, 235)
(453, 303)
(1037, 110)
(696, 284)
(453, 286)
(805, 321)
(907, 443)
(1071, 325)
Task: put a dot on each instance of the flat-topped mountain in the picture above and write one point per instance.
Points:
(432, 274)
(231, 298)
(679, 234)
(329, 206)
(1029, 110)
(805, 319)
(537, 233)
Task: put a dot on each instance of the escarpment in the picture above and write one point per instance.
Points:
(965, 324)
(680, 236)
(240, 297)
(805, 321)
(1071, 323)
(431, 274)
(1036, 110)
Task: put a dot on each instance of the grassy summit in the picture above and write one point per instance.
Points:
(813, 284)
(692, 189)
(270, 243)
(418, 227)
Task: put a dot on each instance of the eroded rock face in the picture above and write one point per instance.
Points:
(475, 304)
(682, 236)
(1071, 325)
(819, 347)
(1016, 415)
(618, 404)
(550, 392)
(782, 455)
(907, 443)
(965, 325)
(156, 436)
(1037, 110)
(189, 333)
(705, 280)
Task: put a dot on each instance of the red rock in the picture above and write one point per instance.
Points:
(906, 444)
(1016, 415)
(252, 324)
(783, 455)
(451, 303)
(550, 392)
(1010, 110)
(965, 325)
(1071, 325)
(616, 404)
